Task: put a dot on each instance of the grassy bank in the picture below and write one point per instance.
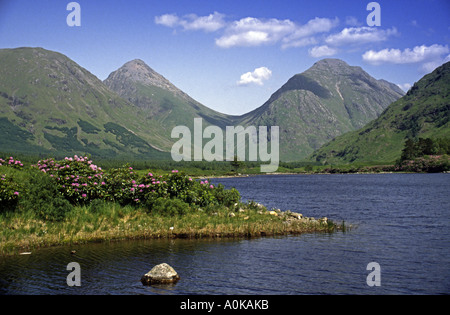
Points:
(21, 231)
(74, 201)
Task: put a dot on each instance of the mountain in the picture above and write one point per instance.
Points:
(423, 112)
(51, 105)
(327, 100)
(163, 104)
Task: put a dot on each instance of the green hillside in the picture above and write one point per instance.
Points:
(163, 105)
(51, 105)
(424, 112)
(328, 100)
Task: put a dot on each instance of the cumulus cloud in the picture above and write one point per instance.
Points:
(209, 23)
(254, 32)
(249, 38)
(302, 35)
(169, 20)
(314, 26)
(417, 54)
(405, 86)
(322, 51)
(256, 77)
(251, 31)
(360, 35)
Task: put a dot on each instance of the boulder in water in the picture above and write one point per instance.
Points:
(162, 273)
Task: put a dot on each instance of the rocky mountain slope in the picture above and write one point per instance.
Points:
(164, 104)
(51, 105)
(329, 99)
(423, 112)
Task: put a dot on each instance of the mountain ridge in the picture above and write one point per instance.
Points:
(423, 112)
(137, 104)
(56, 106)
(328, 99)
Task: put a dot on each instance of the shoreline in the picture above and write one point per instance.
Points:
(74, 201)
(291, 173)
(252, 221)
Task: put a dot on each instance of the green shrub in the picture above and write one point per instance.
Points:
(9, 193)
(81, 182)
(225, 197)
(44, 199)
(169, 207)
(77, 178)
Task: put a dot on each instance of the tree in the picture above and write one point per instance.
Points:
(408, 151)
(236, 164)
(424, 146)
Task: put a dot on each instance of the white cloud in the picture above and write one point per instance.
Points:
(209, 23)
(249, 38)
(256, 77)
(418, 54)
(314, 26)
(254, 32)
(405, 86)
(322, 51)
(169, 20)
(250, 31)
(302, 34)
(360, 35)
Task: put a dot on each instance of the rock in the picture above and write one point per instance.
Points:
(273, 213)
(162, 273)
(296, 215)
(231, 214)
(323, 220)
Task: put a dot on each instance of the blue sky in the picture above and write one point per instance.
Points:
(232, 55)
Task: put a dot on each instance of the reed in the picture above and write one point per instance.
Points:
(25, 231)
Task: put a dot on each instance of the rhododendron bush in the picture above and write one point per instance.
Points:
(80, 181)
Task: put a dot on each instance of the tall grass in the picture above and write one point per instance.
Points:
(106, 221)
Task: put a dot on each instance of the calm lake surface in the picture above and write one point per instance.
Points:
(403, 224)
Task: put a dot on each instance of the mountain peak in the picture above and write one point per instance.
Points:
(138, 71)
(327, 100)
(336, 66)
(137, 66)
(331, 62)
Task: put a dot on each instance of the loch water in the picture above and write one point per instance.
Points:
(402, 222)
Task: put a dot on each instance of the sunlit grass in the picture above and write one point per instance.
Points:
(24, 231)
